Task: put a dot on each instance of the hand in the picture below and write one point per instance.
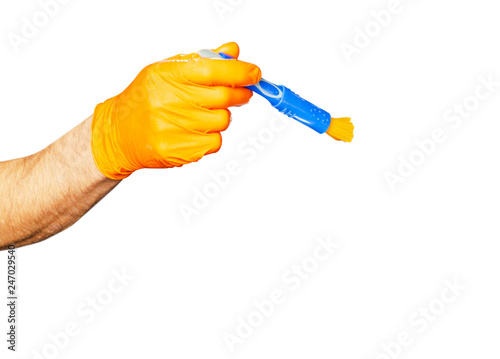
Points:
(171, 114)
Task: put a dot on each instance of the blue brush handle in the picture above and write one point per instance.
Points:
(285, 100)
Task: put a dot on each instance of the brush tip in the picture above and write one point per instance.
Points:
(341, 129)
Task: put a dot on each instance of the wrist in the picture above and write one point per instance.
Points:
(92, 166)
(104, 146)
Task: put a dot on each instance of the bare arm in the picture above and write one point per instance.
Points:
(172, 114)
(43, 194)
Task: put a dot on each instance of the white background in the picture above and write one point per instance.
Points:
(193, 280)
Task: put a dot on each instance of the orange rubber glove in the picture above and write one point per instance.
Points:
(171, 114)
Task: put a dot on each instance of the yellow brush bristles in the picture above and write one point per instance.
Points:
(341, 129)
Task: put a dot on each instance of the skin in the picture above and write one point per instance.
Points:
(66, 175)
(45, 193)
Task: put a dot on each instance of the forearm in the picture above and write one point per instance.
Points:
(172, 114)
(45, 193)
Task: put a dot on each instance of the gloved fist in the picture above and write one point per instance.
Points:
(171, 114)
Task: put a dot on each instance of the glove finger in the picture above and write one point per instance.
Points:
(210, 121)
(184, 148)
(231, 48)
(215, 72)
(213, 142)
(197, 121)
(219, 97)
